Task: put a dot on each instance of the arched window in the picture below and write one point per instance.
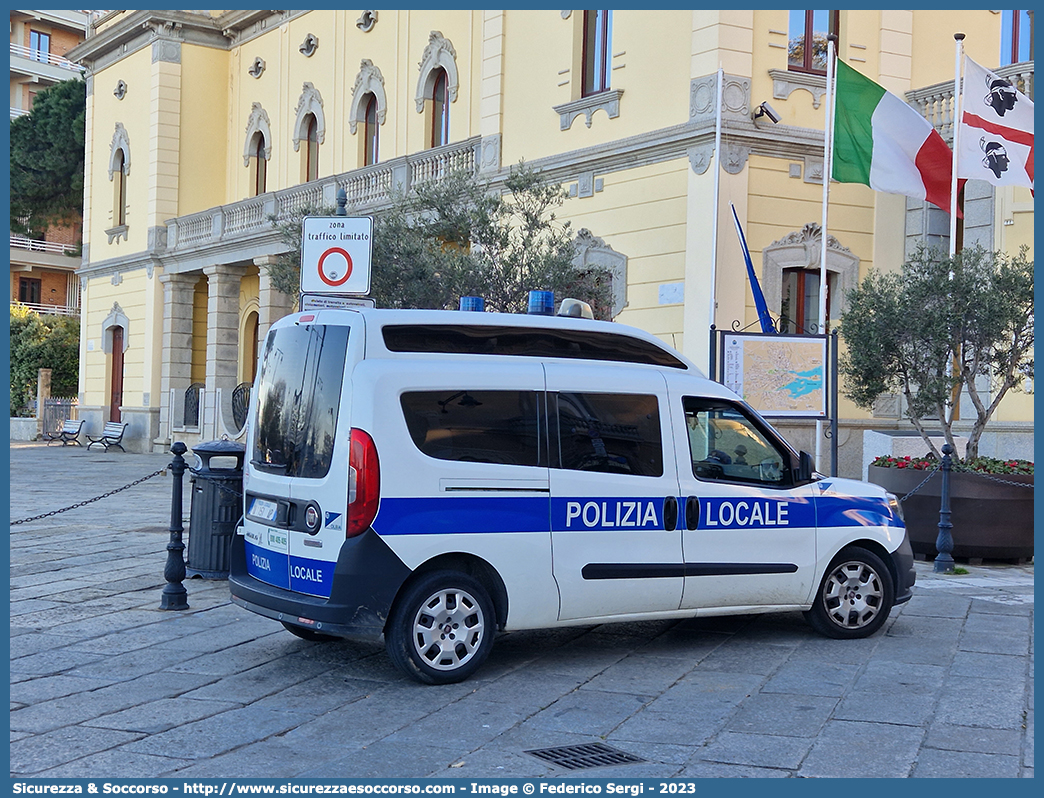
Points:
(311, 150)
(119, 190)
(371, 133)
(259, 164)
(439, 110)
(598, 56)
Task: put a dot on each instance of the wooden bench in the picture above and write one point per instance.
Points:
(111, 436)
(69, 433)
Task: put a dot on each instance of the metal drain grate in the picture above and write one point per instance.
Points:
(589, 755)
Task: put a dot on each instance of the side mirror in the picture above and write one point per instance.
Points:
(805, 468)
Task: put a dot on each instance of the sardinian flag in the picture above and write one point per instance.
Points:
(996, 135)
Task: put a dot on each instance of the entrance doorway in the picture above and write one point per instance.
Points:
(116, 392)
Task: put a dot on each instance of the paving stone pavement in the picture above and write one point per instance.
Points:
(104, 684)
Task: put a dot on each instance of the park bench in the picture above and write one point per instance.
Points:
(111, 436)
(69, 433)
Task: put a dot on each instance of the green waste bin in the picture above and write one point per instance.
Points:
(217, 506)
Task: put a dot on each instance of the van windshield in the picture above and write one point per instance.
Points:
(298, 393)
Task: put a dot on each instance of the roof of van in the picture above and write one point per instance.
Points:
(384, 318)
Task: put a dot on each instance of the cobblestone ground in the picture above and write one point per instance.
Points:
(104, 684)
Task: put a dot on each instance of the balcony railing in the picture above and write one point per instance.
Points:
(48, 310)
(17, 112)
(935, 102)
(368, 189)
(21, 51)
(24, 242)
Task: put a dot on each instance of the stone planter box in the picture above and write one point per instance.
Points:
(990, 520)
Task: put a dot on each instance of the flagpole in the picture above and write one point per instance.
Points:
(828, 134)
(717, 192)
(958, 109)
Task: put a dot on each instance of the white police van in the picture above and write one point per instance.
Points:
(437, 476)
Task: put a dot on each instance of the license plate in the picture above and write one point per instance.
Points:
(262, 508)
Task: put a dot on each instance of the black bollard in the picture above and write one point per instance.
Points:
(175, 597)
(944, 543)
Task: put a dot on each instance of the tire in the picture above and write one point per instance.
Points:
(441, 629)
(308, 634)
(855, 597)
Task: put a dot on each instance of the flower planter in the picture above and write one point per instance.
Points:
(990, 520)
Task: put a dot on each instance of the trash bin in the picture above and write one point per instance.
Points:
(217, 505)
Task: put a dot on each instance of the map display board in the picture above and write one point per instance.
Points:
(777, 375)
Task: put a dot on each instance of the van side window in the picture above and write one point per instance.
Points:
(614, 433)
(727, 445)
(477, 426)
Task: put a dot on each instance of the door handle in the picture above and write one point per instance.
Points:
(692, 512)
(670, 513)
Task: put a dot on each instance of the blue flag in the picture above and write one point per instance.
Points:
(759, 298)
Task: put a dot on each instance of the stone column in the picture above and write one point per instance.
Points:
(272, 304)
(222, 336)
(176, 361)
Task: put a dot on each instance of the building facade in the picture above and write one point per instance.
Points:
(44, 263)
(204, 126)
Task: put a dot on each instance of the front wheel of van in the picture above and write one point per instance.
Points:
(855, 596)
(441, 629)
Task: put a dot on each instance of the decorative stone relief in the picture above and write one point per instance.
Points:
(310, 102)
(785, 83)
(257, 68)
(121, 90)
(120, 143)
(309, 45)
(438, 53)
(813, 170)
(593, 251)
(117, 278)
(608, 101)
(489, 154)
(257, 122)
(734, 157)
(700, 158)
(366, 21)
(735, 98)
(166, 51)
(368, 81)
(156, 240)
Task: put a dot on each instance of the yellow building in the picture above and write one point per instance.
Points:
(203, 125)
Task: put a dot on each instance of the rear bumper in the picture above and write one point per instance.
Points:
(904, 569)
(367, 577)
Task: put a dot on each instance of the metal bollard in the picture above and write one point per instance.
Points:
(174, 594)
(944, 543)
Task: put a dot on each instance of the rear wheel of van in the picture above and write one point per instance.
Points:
(441, 629)
(310, 635)
(855, 596)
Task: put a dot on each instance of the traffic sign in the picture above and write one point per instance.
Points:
(336, 254)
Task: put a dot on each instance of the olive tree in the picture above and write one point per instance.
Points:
(457, 237)
(938, 328)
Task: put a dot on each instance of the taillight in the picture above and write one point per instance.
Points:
(364, 483)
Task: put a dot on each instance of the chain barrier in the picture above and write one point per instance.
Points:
(237, 493)
(162, 471)
(923, 483)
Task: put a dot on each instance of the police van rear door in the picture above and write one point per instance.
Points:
(749, 536)
(613, 472)
(298, 451)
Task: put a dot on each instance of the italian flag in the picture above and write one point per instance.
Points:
(882, 142)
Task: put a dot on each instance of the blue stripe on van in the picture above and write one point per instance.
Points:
(299, 574)
(456, 515)
(854, 511)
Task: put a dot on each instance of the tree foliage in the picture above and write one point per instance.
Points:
(939, 327)
(47, 158)
(38, 342)
(455, 237)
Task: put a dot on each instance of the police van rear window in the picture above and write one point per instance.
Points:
(526, 342)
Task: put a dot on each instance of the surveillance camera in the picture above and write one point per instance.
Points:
(767, 110)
